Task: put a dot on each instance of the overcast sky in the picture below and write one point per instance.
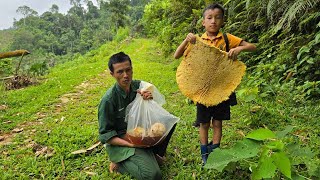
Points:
(8, 9)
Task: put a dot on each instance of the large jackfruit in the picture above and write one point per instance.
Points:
(206, 74)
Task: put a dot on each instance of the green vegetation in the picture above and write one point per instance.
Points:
(277, 118)
(80, 30)
(286, 32)
(273, 156)
(61, 115)
(53, 37)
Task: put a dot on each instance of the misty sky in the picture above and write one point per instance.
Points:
(8, 9)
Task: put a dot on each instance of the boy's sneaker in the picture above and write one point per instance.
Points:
(204, 159)
(211, 147)
(204, 154)
(206, 150)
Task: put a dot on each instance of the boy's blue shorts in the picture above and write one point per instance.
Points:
(218, 112)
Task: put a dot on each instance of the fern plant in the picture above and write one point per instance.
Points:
(295, 9)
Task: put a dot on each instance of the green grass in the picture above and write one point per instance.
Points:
(65, 127)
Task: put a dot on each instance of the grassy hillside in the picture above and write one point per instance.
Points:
(42, 125)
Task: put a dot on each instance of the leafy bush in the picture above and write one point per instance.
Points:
(6, 67)
(38, 69)
(122, 34)
(170, 24)
(276, 157)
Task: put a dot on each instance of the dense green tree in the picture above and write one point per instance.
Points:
(137, 9)
(76, 8)
(92, 11)
(163, 20)
(26, 12)
(119, 10)
(86, 38)
(23, 39)
(54, 9)
(68, 40)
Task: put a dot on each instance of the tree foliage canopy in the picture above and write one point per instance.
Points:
(85, 26)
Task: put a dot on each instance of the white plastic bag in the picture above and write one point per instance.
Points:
(148, 122)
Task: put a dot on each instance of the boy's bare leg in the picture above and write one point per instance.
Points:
(217, 131)
(203, 131)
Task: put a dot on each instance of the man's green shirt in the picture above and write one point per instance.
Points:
(111, 116)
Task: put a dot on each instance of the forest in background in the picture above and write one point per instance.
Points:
(53, 37)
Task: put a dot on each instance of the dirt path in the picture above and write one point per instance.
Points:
(28, 128)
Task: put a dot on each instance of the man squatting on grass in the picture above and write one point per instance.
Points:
(141, 162)
(213, 20)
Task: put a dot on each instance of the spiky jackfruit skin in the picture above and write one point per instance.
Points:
(206, 74)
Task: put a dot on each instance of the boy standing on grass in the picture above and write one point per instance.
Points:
(213, 20)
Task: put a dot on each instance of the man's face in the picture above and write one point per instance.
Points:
(122, 72)
(212, 21)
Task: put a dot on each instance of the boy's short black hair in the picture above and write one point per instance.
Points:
(214, 6)
(118, 58)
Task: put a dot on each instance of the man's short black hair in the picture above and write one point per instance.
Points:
(118, 58)
(212, 7)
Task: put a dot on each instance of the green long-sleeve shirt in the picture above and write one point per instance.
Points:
(111, 116)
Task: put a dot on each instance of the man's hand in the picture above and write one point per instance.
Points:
(126, 138)
(146, 95)
(139, 146)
